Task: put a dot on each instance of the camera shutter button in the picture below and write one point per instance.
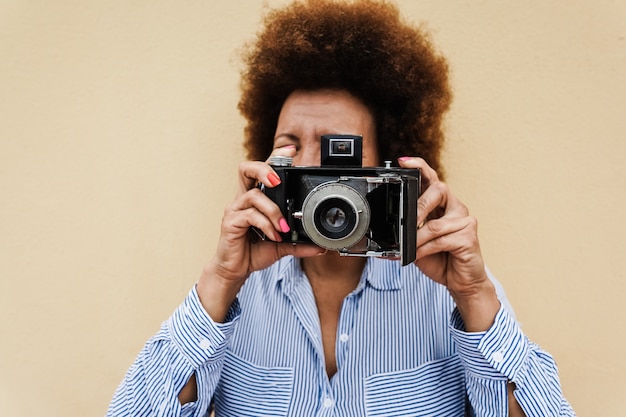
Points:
(280, 161)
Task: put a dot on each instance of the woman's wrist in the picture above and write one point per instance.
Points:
(216, 293)
(478, 308)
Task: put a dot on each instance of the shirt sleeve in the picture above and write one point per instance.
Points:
(501, 355)
(188, 342)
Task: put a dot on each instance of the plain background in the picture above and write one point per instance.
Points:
(119, 145)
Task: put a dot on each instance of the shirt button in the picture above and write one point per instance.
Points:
(205, 344)
(498, 357)
(328, 402)
(344, 337)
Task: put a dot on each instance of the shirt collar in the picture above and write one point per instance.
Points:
(380, 274)
(384, 274)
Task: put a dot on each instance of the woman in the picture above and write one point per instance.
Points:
(273, 328)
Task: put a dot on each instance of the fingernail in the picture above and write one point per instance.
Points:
(284, 227)
(404, 158)
(285, 147)
(273, 179)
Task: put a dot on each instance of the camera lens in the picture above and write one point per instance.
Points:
(335, 216)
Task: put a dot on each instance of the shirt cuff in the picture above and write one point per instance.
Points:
(497, 353)
(196, 335)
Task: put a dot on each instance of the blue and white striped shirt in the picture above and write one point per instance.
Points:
(401, 351)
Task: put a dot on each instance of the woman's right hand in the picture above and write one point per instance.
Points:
(237, 255)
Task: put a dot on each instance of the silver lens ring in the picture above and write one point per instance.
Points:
(354, 215)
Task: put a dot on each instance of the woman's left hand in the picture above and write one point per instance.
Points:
(448, 250)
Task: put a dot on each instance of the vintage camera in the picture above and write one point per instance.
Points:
(342, 206)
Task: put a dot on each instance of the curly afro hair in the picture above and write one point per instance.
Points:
(360, 46)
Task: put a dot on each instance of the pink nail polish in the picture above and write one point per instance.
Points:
(273, 179)
(404, 158)
(284, 227)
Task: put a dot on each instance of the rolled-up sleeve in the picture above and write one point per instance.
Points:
(501, 355)
(188, 342)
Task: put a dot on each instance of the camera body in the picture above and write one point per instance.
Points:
(344, 207)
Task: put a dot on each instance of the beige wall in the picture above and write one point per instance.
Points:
(118, 149)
